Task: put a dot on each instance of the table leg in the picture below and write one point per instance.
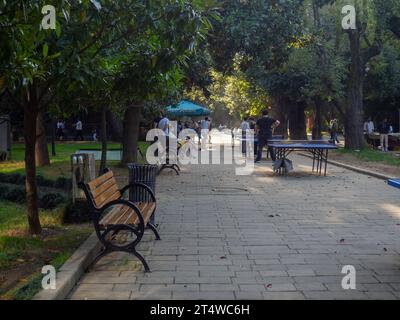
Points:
(321, 155)
(326, 161)
(313, 163)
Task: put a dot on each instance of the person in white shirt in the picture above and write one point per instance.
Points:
(164, 124)
(205, 126)
(94, 135)
(369, 126)
(244, 126)
(78, 130)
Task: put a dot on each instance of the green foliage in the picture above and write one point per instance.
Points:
(16, 194)
(19, 179)
(373, 156)
(77, 212)
(17, 248)
(51, 200)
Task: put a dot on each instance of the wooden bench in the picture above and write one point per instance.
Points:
(119, 223)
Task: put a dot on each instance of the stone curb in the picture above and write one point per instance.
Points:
(355, 169)
(72, 270)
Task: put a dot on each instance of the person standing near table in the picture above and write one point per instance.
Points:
(384, 130)
(334, 128)
(244, 126)
(369, 126)
(264, 127)
(78, 130)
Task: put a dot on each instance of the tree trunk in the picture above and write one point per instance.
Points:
(317, 128)
(354, 110)
(297, 121)
(53, 137)
(103, 162)
(41, 149)
(30, 121)
(281, 112)
(115, 126)
(131, 135)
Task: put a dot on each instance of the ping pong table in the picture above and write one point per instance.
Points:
(318, 149)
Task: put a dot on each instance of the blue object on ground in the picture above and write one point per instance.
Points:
(187, 109)
(394, 183)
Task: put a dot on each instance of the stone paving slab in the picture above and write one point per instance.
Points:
(266, 237)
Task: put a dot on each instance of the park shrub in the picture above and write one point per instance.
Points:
(17, 194)
(50, 201)
(43, 182)
(3, 190)
(19, 179)
(77, 212)
(14, 178)
(63, 183)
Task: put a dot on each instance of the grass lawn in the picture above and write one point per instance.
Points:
(370, 155)
(61, 165)
(21, 255)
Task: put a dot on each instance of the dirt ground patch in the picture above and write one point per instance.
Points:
(379, 167)
(56, 245)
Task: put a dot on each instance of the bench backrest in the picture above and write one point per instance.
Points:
(103, 190)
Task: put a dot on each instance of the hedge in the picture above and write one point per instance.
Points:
(19, 179)
(17, 194)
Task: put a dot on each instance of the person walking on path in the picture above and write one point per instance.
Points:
(264, 128)
(78, 130)
(334, 128)
(60, 130)
(205, 127)
(163, 124)
(94, 135)
(196, 127)
(384, 130)
(244, 126)
(253, 127)
(156, 121)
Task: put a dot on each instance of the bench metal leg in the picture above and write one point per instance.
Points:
(154, 229)
(142, 260)
(102, 253)
(168, 166)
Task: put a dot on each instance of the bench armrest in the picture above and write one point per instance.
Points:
(140, 185)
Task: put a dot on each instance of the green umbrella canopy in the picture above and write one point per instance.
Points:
(187, 109)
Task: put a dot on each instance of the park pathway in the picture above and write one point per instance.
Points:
(261, 237)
